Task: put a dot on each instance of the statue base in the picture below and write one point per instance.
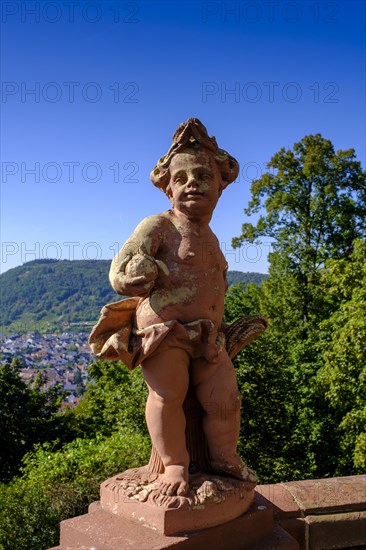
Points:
(100, 530)
(218, 512)
(211, 500)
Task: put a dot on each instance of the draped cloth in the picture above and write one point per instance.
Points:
(116, 336)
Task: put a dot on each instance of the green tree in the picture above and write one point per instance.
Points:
(312, 203)
(343, 375)
(27, 416)
(115, 399)
(315, 206)
(285, 431)
(264, 382)
(57, 484)
(59, 481)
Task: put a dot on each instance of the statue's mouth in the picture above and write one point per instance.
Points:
(194, 194)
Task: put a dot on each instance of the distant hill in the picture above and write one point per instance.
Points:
(52, 293)
(235, 277)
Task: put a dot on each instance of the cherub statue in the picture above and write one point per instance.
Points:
(175, 272)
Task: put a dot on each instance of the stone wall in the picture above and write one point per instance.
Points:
(321, 513)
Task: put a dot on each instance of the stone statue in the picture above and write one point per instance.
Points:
(175, 273)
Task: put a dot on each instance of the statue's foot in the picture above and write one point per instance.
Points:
(174, 481)
(234, 467)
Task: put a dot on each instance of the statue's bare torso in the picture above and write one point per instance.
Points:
(194, 284)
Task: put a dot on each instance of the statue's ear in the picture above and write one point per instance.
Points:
(233, 169)
(169, 192)
(229, 168)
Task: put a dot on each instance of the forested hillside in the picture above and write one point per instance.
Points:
(56, 292)
(50, 291)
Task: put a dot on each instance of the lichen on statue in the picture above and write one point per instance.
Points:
(175, 273)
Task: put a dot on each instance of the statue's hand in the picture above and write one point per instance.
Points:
(141, 266)
(140, 275)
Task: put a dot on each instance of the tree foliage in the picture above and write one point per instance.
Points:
(27, 416)
(312, 202)
(59, 481)
(115, 399)
(343, 374)
(313, 205)
(315, 202)
(54, 292)
(57, 484)
(264, 383)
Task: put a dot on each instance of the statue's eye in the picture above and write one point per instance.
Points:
(180, 179)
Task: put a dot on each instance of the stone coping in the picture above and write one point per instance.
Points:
(321, 514)
(316, 496)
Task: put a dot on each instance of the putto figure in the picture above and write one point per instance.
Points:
(175, 272)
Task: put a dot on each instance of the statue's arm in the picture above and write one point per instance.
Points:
(134, 269)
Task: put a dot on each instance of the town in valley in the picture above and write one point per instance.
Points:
(63, 359)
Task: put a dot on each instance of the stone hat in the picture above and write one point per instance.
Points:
(190, 135)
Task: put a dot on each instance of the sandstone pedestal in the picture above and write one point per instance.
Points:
(212, 500)
(218, 512)
(101, 530)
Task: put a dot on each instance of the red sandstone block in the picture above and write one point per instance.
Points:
(188, 516)
(280, 540)
(294, 502)
(94, 506)
(337, 530)
(101, 530)
(280, 499)
(340, 494)
(296, 527)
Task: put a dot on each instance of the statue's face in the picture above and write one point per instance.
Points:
(195, 183)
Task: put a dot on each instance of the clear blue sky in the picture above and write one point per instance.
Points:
(111, 82)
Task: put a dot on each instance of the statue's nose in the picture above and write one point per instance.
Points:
(192, 183)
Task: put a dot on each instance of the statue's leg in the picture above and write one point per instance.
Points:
(217, 391)
(166, 374)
